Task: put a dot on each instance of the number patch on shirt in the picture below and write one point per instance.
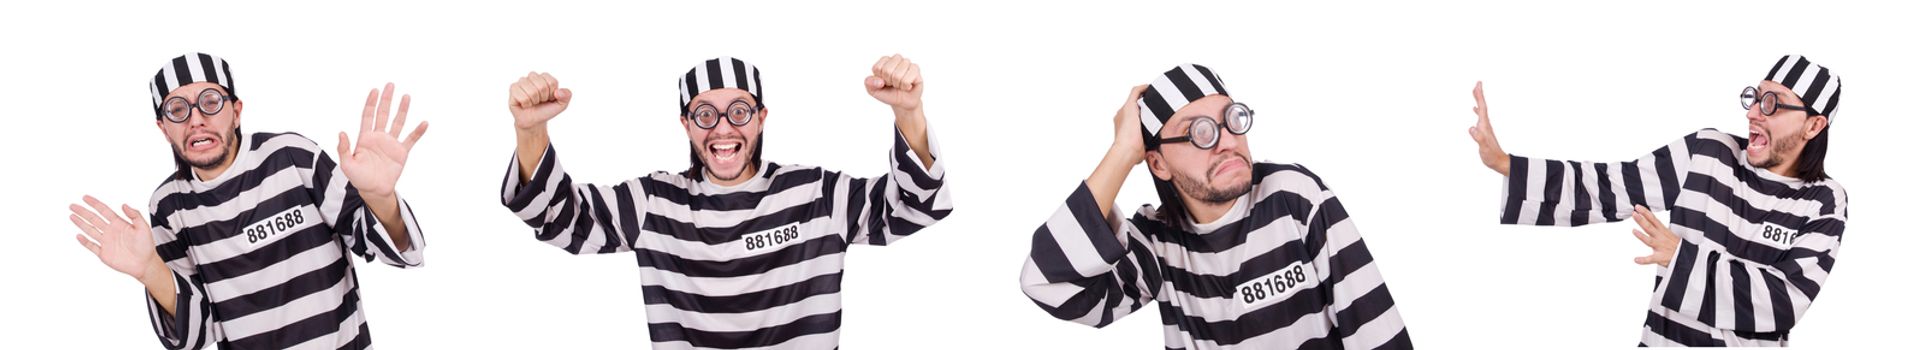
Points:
(1778, 235)
(289, 220)
(776, 237)
(1273, 287)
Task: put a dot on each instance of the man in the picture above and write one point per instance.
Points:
(1754, 221)
(735, 252)
(1239, 255)
(247, 243)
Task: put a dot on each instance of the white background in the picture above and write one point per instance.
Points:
(1373, 97)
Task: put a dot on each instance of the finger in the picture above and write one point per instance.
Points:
(1643, 237)
(367, 112)
(134, 218)
(1646, 260)
(563, 96)
(380, 115)
(888, 68)
(549, 81)
(877, 68)
(87, 228)
(105, 211)
(341, 149)
(874, 83)
(400, 117)
(1136, 92)
(519, 96)
(915, 75)
(901, 74)
(87, 244)
(416, 135)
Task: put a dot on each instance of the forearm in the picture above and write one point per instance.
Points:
(531, 143)
(159, 281)
(1107, 179)
(387, 210)
(910, 122)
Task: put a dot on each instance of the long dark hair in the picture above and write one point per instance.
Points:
(1810, 164)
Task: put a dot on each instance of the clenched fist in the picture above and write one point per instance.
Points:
(536, 98)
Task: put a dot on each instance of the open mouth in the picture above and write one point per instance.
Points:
(725, 150)
(1759, 140)
(202, 142)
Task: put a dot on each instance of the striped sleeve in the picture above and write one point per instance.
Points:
(578, 218)
(879, 211)
(343, 209)
(1080, 270)
(192, 324)
(1361, 309)
(1548, 192)
(1729, 292)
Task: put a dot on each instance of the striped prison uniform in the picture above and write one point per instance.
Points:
(260, 253)
(755, 265)
(1756, 246)
(1285, 268)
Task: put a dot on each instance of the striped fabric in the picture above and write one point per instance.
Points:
(260, 253)
(720, 73)
(1176, 88)
(1756, 246)
(1814, 85)
(755, 265)
(188, 69)
(1284, 269)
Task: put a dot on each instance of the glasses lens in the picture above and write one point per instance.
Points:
(739, 112)
(1769, 103)
(1203, 133)
(1238, 117)
(210, 102)
(176, 109)
(1749, 98)
(705, 116)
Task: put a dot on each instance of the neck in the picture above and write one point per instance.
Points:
(1788, 168)
(747, 173)
(1204, 212)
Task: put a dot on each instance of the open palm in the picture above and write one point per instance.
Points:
(124, 244)
(379, 154)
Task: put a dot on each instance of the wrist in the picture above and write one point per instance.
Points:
(156, 273)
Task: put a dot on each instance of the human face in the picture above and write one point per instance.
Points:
(206, 142)
(1216, 175)
(726, 150)
(1776, 140)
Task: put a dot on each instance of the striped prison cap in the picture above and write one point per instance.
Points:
(1174, 89)
(718, 73)
(1813, 83)
(188, 69)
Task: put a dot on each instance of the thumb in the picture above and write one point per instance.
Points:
(564, 95)
(341, 150)
(876, 83)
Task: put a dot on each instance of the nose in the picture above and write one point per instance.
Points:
(1755, 113)
(1227, 142)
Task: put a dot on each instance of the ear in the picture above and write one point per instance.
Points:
(1814, 125)
(762, 114)
(1156, 166)
(238, 106)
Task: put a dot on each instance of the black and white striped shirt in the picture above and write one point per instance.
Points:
(260, 253)
(1756, 246)
(755, 265)
(1284, 269)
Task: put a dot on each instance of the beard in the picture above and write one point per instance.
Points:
(232, 144)
(748, 159)
(1778, 148)
(1199, 188)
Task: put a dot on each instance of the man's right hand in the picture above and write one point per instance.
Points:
(535, 99)
(124, 244)
(1486, 146)
(1128, 142)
